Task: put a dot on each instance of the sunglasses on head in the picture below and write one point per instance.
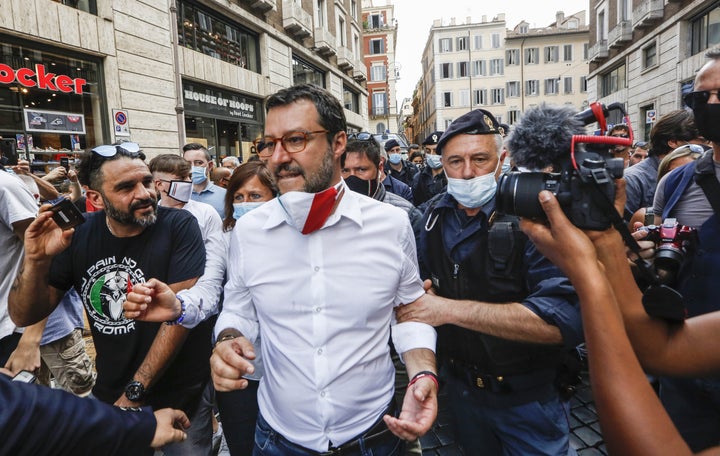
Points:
(363, 136)
(693, 99)
(110, 150)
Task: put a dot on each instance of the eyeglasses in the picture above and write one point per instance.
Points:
(693, 99)
(362, 136)
(694, 148)
(293, 142)
(640, 144)
(111, 150)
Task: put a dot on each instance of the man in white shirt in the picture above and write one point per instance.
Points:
(307, 280)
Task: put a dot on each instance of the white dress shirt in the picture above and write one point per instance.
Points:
(203, 298)
(324, 303)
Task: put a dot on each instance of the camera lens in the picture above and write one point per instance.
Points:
(518, 193)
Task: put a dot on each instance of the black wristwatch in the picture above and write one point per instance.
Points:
(135, 391)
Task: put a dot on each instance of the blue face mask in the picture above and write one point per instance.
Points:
(473, 193)
(433, 161)
(394, 158)
(240, 209)
(199, 175)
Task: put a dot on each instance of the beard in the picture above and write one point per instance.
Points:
(317, 182)
(129, 218)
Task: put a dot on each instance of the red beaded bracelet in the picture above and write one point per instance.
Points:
(423, 374)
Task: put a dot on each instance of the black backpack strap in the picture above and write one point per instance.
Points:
(504, 238)
(705, 178)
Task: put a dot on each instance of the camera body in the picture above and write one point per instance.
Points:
(584, 178)
(673, 241)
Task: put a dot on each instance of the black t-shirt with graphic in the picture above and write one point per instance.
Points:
(103, 268)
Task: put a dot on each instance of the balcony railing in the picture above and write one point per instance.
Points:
(620, 34)
(647, 13)
(324, 42)
(296, 19)
(598, 51)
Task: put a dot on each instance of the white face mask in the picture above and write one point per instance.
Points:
(180, 190)
(309, 211)
(240, 209)
(475, 192)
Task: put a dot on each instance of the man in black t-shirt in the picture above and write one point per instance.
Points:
(126, 243)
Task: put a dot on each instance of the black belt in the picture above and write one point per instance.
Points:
(377, 434)
(500, 383)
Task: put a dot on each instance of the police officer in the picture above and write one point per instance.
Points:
(505, 315)
(431, 180)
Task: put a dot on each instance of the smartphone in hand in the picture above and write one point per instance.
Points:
(65, 213)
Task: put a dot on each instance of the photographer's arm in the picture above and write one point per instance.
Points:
(631, 416)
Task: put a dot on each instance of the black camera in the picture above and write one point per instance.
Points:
(673, 241)
(584, 184)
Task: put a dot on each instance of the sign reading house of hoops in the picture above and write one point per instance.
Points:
(120, 122)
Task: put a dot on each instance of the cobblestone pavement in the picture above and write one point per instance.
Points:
(585, 436)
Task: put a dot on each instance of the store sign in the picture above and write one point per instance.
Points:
(219, 103)
(54, 122)
(41, 78)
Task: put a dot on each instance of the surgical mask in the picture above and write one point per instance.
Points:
(180, 190)
(707, 119)
(308, 212)
(199, 175)
(473, 193)
(506, 166)
(433, 161)
(362, 186)
(394, 158)
(240, 209)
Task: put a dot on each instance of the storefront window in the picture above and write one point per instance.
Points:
(50, 103)
(226, 123)
(201, 30)
(304, 73)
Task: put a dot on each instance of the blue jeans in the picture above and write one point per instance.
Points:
(484, 425)
(269, 442)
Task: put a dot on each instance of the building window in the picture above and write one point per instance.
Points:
(567, 53)
(497, 96)
(513, 89)
(601, 25)
(464, 97)
(586, 49)
(303, 72)
(446, 70)
(567, 85)
(612, 81)
(351, 100)
(551, 54)
(203, 32)
(478, 42)
(513, 116)
(462, 43)
(512, 57)
(495, 40)
(532, 87)
(377, 46)
(89, 6)
(377, 72)
(551, 86)
(480, 97)
(321, 13)
(532, 56)
(583, 84)
(376, 21)
(353, 9)
(462, 69)
(341, 32)
(447, 123)
(650, 56)
(379, 100)
(479, 68)
(704, 31)
(447, 99)
(445, 45)
(624, 10)
(496, 67)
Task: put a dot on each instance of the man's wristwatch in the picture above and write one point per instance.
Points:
(135, 391)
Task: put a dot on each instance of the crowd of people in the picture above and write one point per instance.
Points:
(319, 295)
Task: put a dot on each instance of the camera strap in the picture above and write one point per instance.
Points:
(711, 187)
